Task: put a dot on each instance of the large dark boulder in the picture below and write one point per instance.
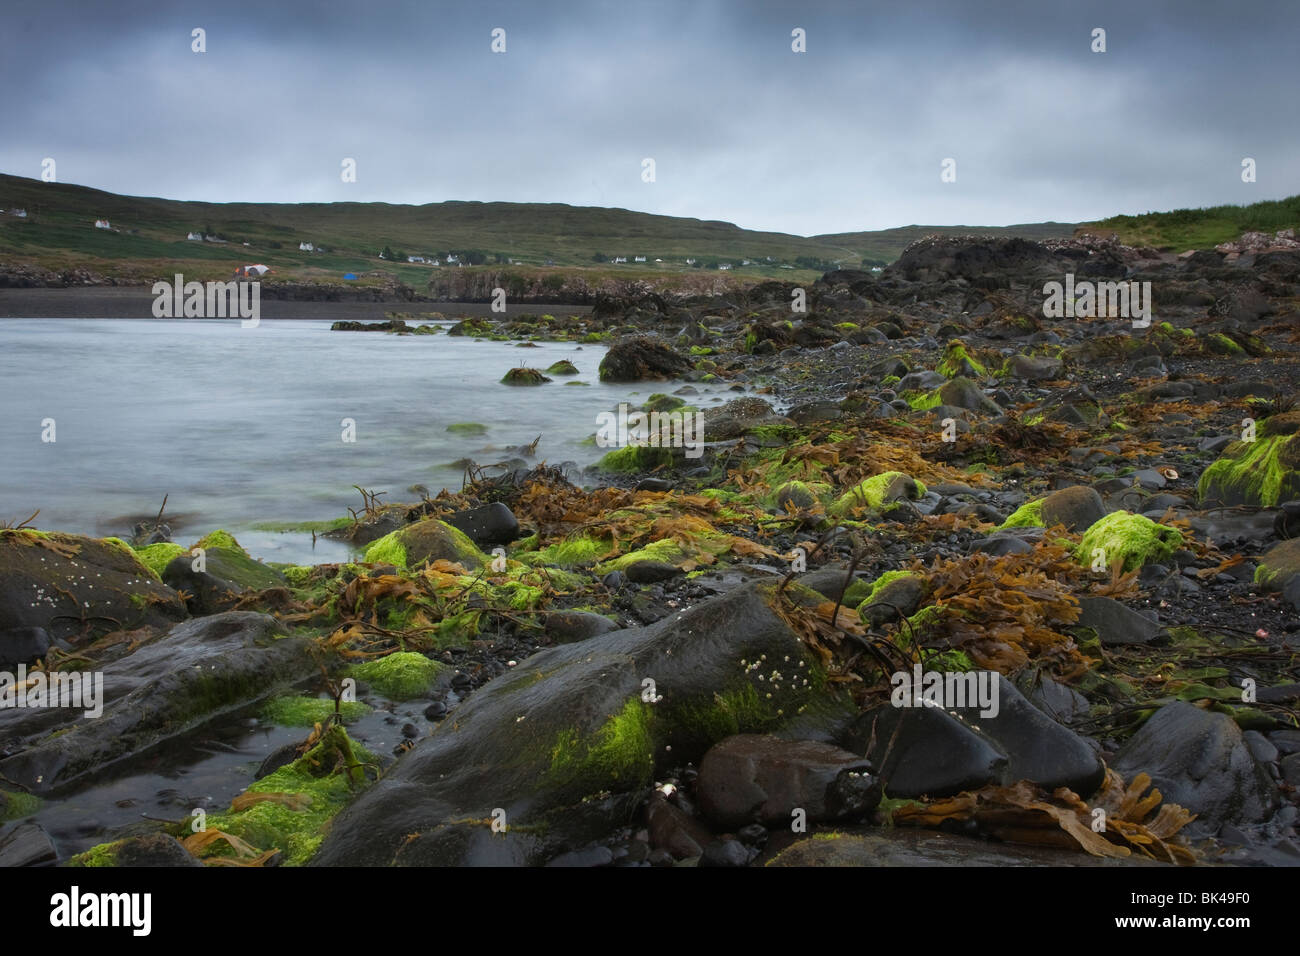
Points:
(641, 357)
(73, 586)
(487, 525)
(753, 778)
(199, 670)
(537, 744)
(1199, 760)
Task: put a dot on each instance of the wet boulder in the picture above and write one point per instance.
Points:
(641, 357)
(72, 586)
(1200, 760)
(535, 745)
(1077, 508)
(216, 571)
(488, 525)
(738, 416)
(1260, 473)
(197, 671)
(753, 778)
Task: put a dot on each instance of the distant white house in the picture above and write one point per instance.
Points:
(306, 247)
(253, 270)
(453, 260)
(434, 262)
(20, 213)
(690, 262)
(724, 265)
(745, 262)
(658, 260)
(638, 259)
(103, 224)
(415, 259)
(620, 258)
(197, 237)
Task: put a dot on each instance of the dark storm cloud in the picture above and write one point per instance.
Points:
(849, 135)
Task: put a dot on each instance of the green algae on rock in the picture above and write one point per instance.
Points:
(631, 459)
(562, 367)
(1279, 565)
(307, 711)
(403, 675)
(427, 540)
(156, 557)
(879, 490)
(14, 805)
(1028, 515)
(1260, 473)
(467, 428)
(1132, 539)
(957, 361)
(302, 798)
(524, 376)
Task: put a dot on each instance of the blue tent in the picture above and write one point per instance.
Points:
(350, 275)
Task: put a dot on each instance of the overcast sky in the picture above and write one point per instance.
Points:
(849, 135)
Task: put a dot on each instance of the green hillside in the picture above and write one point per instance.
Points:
(1204, 228)
(150, 236)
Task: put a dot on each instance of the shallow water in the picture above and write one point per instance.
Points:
(243, 426)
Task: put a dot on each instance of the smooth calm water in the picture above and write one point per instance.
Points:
(241, 426)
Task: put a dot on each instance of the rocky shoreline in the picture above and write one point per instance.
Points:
(674, 659)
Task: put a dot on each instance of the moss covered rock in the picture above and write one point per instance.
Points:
(15, 805)
(631, 459)
(1262, 473)
(425, 541)
(877, 491)
(156, 557)
(1134, 540)
(957, 361)
(215, 579)
(290, 809)
(1279, 565)
(404, 675)
(524, 376)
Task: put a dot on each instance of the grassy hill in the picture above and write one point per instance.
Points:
(1204, 228)
(150, 236)
(883, 246)
(148, 240)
